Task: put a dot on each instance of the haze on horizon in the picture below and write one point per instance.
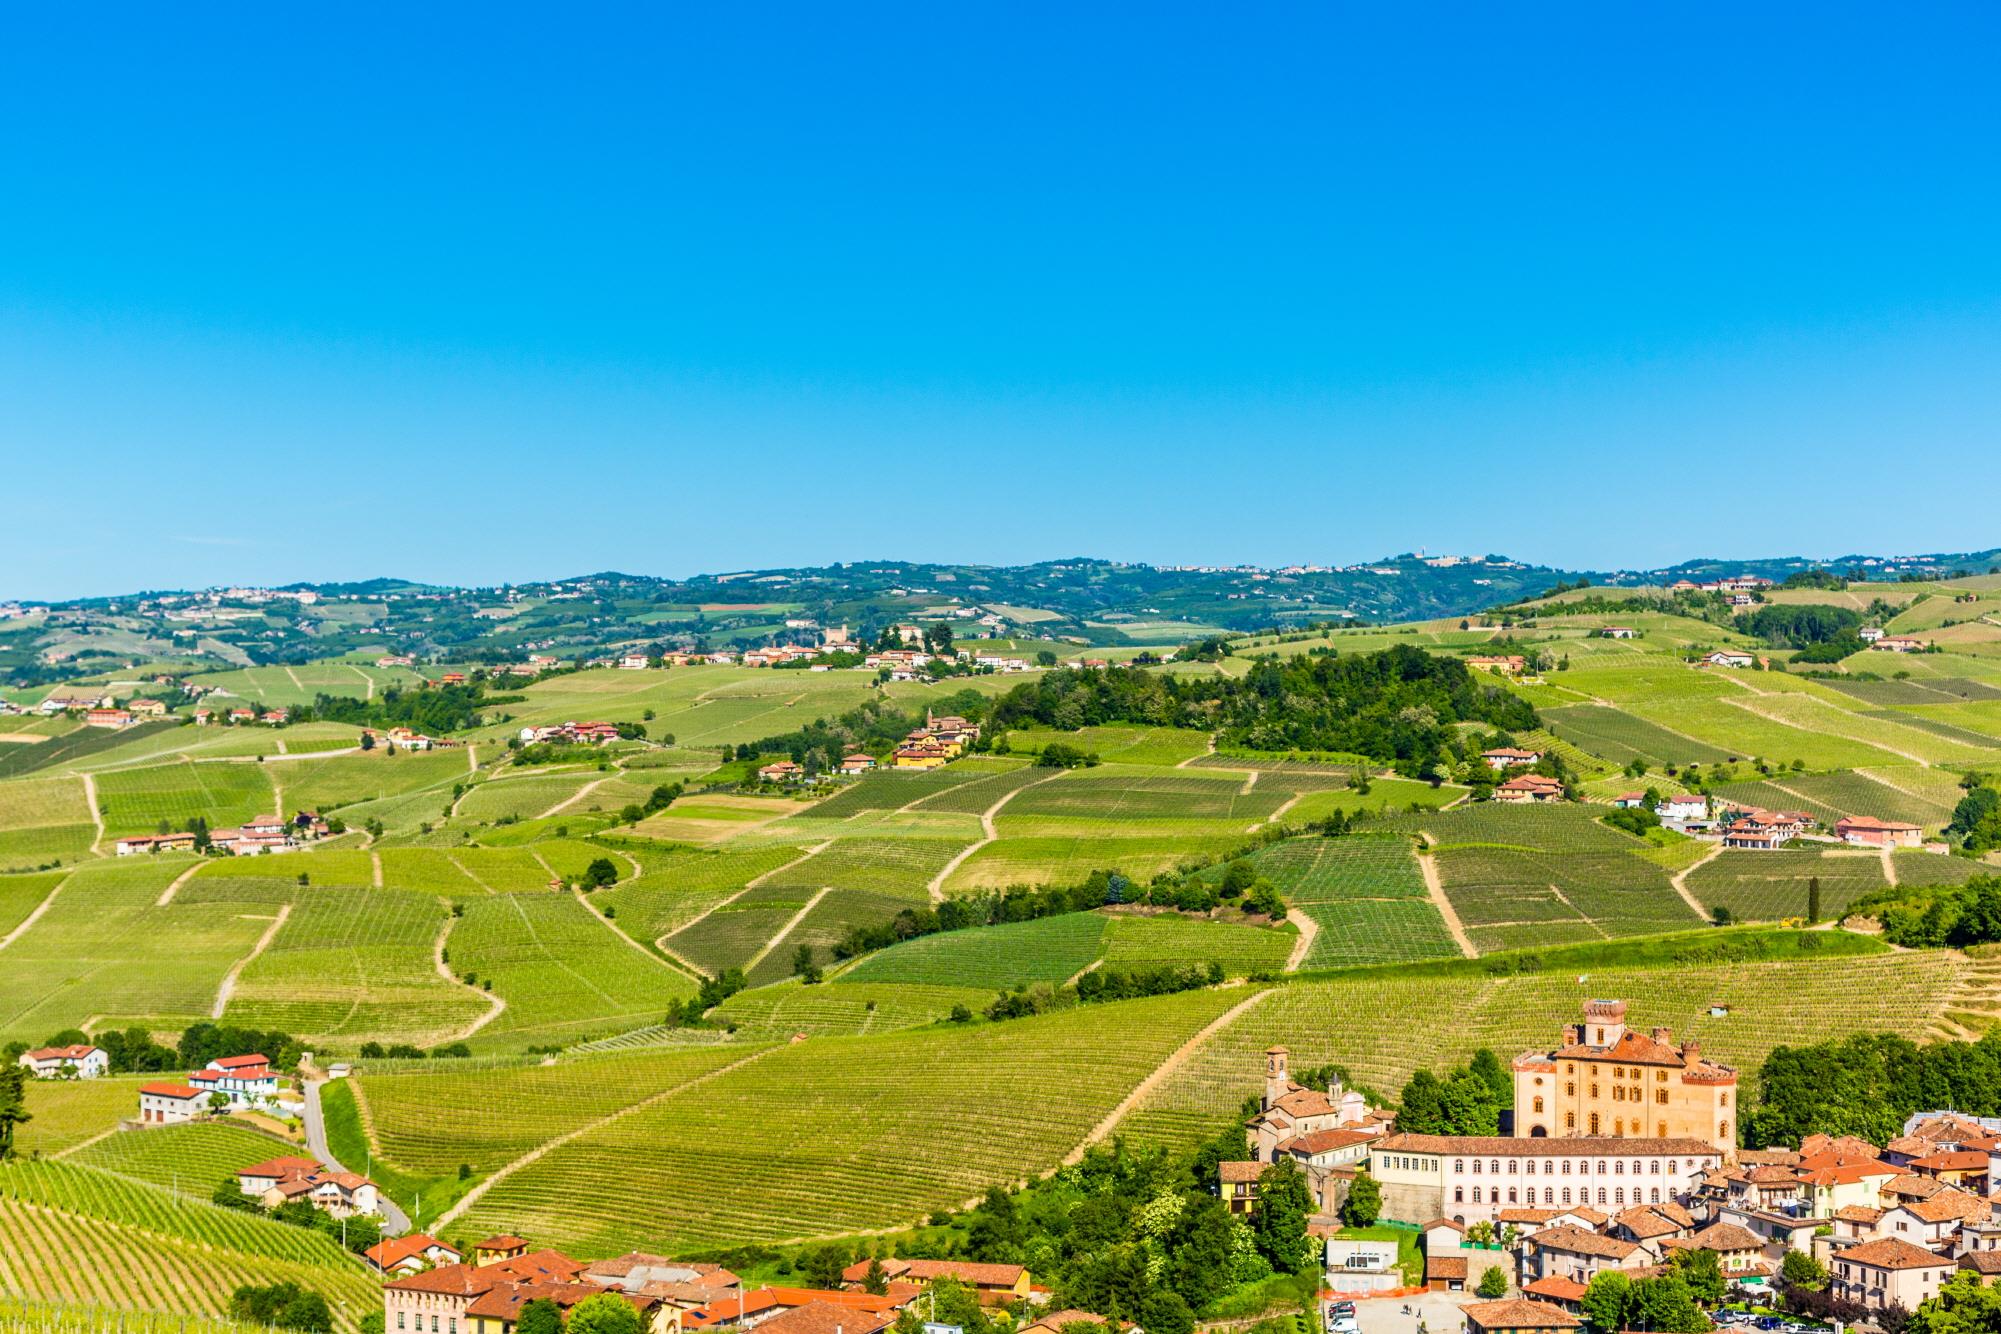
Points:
(473, 296)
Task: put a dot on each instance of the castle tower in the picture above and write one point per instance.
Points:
(1278, 1074)
(1604, 1022)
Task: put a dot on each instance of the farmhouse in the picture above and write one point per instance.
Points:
(1503, 757)
(77, 1061)
(164, 1103)
(113, 718)
(395, 660)
(857, 763)
(151, 708)
(782, 771)
(1871, 833)
(1609, 1079)
(135, 843)
(1508, 664)
(405, 739)
(924, 754)
(1900, 644)
(1869, 634)
(452, 679)
(244, 1080)
(1727, 657)
(409, 1254)
(1630, 801)
(1528, 788)
(1620, 632)
(1682, 808)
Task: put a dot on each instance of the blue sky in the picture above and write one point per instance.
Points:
(484, 293)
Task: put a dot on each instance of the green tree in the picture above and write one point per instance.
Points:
(1801, 1270)
(605, 1313)
(1493, 1283)
(1364, 1204)
(1165, 1312)
(822, 1265)
(599, 873)
(1964, 1305)
(1812, 899)
(877, 1279)
(1284, 1204)
(1664, 1305)
(1498, 1079)
(1702, 1270)
(1200, 1267)
(540, 1316)
(13, 1106)
(1605, 1298)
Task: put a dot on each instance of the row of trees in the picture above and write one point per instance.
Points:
(1468, 1100)
(1868, 1085)
(451, 708)
(1931, 916)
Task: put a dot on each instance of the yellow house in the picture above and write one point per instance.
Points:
(505, 1246)
(920, 757)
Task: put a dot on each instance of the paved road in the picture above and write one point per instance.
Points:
(394, 1221)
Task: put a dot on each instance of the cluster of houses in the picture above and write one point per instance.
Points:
(431, 1285)
(935, 743)
(96, 708)
(279, 1181)
(582, 734)
(243, 1083)
(265, 833)
(74, 1061)
(1620, 1152)
(1742, 585)
(1522, 788)
(1752, 828)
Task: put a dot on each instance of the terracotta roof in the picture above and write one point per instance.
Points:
(1772, 1157)
(1961, 1160)
(457, 1280)
(393, 1251)
(1444, 1267)
(1631, 1048)
(1518, 1313)
(503, 1241)
(1921, 1188)
(1227, 1173)
(1719, 1237)
(1646, 1224)
(1946, 1206)
(1322, 1141)
(1845, 1173)
(167, 1089)
(827, 1318)
(1557, 1288)
(1859, 1213)
(1564, 1237)
(1525, 1215)
(505, 1300)
(1890, 1253)
(74, 1052)
(279, 1167)
(1441, 1221)
(1306, 1102)
(1508, 1146)
(1056, 1320)
(1981, 1262)
(924, 1271)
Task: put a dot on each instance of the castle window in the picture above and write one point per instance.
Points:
(1619, 1195)
(1594, 1123)
(1618, 1072)
(1511, 1195)
(1476, 1194)
(1601, 1195)
(1654, 1166)
(1569, 1123)
(1660, 1076)
(1566, 1195)
(1726, 1098)
(1601, 1167)
(1619, 1169)
(1723, 1130)
(1459, 1195)
(1459, 1164)
(1495, 1167)
(1514, 1165)
(1549, 1195)
(1594, 1090)
(1566, 1172)
(1660, 1096)
(1569, 1068)
(1657, 1196)
(1476, 1167)
(1538, 1103)
(1570, 1090)
(1530, 1169)
(1670, 1167)
(1660, 1128)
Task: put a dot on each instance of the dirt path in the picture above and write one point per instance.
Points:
(167, 894)
(816, 849)
(1160, 1075)
(1308, 929)
(1278, 814)
(472, 758)
(375, 868)
(277, 797)
(494, 1003)
(1890, 868)
(96, 815)
(936, 889)
(228, 987)
(1680, 881)
(574, 798)
(472, 1196)
(1250, 781)
(787, 929)
(1582, 916)
(301, 685)
(675, 962)
(1435, 887)
(1209, 745)
(34, 916)
(365, 677)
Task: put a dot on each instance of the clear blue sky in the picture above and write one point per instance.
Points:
(491, 293)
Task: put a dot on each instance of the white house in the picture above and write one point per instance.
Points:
(165, 1103)
(1726, 657)
(245, 1080)
(81, 1061)
(1869, 634)
(632, 662)
(1683, 808)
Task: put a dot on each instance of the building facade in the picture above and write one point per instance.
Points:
(1611, 1081)
(1470, 1178)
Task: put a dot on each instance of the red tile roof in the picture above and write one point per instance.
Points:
(827, 1318)
(1557, 1288)
(1518, 1313)
(168, 1089)
(1890, 1253)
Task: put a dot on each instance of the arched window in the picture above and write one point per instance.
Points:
(1537, 1103)
(1660, 1128)
(1570, 1089)
(1726, 1097)
(1476, 1194)
(1619, 1195)
(1601, 1167)
(1670, 1167)
(1601, 1195)
(1660, 1096)
(1594, 1090)
(1549, 1195)
(1495, 1167)
(1511, 1195)
(1656, 1196)
(1594, 1123)
(1459, 1164)
(1476, 1167)
(1530, 1168)
(1459, 1195)
(1566, 1195)
(1618, 1168)
(1570, 1120)
(1723, 1130)
(1566, 1172)
(1618, 1128)
(1655, 1167)
(1514, 1165)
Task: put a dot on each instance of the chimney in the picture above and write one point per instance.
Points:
(1691, 1053)
(1570, 1035)
(1664, 1034)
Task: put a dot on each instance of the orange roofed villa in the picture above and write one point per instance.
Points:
(1608, 1079)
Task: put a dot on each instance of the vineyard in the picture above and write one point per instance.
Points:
(828, 1117)
(1383, 1027)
